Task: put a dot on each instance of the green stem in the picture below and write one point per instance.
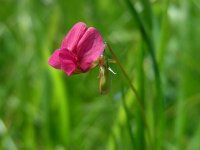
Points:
(138, 99)
(146, 38)
(141, 90)
(159, 103)
(128, 119)
(127, 77)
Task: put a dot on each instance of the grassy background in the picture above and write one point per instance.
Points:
(42, 108)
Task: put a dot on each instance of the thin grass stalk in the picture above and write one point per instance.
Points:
(128, 120)
(59, 99)
(164, 35)
(159, 103)
(138, 99)
(141, 89)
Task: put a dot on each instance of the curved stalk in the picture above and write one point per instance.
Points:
(138, 99)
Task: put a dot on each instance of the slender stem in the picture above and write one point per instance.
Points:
(138, 99)
(159, 103)
(150, 45)
(141, 90)
(146, 37)
(127, 77)
(128, 116)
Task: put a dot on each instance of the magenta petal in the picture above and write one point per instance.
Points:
(68, 67)
(90, 47)
(71, 39)
(85, 66)
(67, 61)
(54, 60)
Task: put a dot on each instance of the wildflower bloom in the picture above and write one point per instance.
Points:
(79, 51)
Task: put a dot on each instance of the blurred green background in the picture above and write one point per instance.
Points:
(42, 108)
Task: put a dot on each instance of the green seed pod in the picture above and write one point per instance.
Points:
(104, 76)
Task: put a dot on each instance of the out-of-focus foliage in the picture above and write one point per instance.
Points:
(42, 108)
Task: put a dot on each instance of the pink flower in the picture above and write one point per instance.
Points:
(79, 51)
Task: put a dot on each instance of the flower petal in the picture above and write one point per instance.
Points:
(54, 60)
(74, 35)
(67, 62)
(89, 49)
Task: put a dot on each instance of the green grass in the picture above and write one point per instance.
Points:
(157, 44)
